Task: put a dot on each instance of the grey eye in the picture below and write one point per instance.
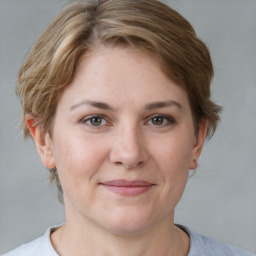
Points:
(96, 121)
(161, 120)
(158, 120)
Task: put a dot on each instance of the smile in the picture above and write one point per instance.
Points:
(128, 188)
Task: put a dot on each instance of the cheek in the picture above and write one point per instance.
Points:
(78, 158)
(172, 157)
(77, 161)
(175, 152)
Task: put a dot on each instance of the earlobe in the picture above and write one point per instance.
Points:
(193, 164)
(197, 149)
(42, 140)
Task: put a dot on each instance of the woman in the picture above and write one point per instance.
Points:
(116, 95)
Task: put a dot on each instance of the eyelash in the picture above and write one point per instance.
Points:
(167, 119)
(87, 119)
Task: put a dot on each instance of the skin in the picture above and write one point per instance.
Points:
(129, 137)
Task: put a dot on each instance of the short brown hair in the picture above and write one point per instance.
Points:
(147, 24)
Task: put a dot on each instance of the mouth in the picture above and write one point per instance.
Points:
(128, 188)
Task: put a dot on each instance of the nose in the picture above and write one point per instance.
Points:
(129, 148)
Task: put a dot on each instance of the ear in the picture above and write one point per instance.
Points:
(199, 142)
(42, 140)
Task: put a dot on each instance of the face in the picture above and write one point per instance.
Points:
(122, 142)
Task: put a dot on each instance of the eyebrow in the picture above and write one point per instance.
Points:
(96, 104)
(150, 106)
(163, 104)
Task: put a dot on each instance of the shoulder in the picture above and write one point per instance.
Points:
(27, 249)
(204, 246)
(40, 247)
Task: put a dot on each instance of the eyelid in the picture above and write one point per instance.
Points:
(170, 119)
(85, 119)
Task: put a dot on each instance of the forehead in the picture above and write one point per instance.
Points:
(119, 75)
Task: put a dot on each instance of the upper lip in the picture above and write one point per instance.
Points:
(127, 183)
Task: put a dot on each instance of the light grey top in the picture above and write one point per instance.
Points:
(199, 246)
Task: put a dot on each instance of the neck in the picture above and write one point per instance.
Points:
(87, 239)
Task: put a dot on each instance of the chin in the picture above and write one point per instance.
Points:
(125, 222)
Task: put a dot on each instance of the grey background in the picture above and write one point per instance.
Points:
(219, 201)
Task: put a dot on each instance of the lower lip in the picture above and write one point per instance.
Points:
(128, 191)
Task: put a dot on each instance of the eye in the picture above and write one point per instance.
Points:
(161, 120)
(94, 121)
(158, 120)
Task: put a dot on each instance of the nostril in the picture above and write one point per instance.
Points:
(132, 166)
(141, 163)
(129, 155)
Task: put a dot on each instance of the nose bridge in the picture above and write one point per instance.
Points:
(128, 147)
(132, 140)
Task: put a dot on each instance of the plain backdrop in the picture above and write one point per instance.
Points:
(220, 199)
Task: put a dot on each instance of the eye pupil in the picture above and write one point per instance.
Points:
(96, 121)
(158, 120)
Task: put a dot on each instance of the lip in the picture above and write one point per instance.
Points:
(128, 188)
